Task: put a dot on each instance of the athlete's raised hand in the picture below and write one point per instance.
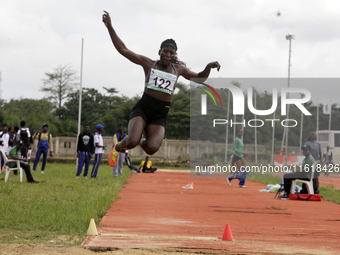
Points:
(106, 19)
(188, 74)
(215, 64)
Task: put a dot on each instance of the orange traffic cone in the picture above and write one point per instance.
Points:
(227, 236)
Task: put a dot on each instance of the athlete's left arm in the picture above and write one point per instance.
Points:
(188, 74)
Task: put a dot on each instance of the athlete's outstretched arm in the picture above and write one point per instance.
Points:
(187, 74)
(120, 46)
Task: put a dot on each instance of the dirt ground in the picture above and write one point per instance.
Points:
(17, 249)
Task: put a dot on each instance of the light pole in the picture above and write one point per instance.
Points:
(255, 94)
(227, 131)
(301, 130)
(273, 141)
(290, 38)
(80, 92)
(80, 85)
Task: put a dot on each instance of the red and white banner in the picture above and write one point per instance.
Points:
(291, 160)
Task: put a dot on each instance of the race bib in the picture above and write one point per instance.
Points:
(162, 81)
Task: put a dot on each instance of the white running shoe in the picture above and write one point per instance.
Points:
(42, 172)
(243, 186)
(188, 186)
(228, 181)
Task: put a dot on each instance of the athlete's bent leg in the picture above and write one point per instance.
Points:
(154, 139)
(135, 130)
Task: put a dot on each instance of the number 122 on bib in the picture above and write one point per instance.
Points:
(162, 81)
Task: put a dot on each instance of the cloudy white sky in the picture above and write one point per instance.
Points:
(246, 37)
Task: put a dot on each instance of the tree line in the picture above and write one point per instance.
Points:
(60, 110)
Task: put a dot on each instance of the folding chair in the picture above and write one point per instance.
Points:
(310, 186)
(9, 169)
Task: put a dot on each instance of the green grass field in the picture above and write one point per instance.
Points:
(59, 209)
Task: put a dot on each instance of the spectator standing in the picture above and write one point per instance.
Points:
(85, 149)
(328, 159)
(16, 135)
(98, 149)
(4, 139)
(118, 167)
(25, 137)
(44, 144)
(317, 155)
(11, 141)
(315, 147)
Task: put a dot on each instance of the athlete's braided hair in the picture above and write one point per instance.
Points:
(171, 43)
(179, 62)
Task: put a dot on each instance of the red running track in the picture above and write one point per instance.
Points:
(155, 212)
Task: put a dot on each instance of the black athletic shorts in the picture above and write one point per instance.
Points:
(152, 110)
(236, 158)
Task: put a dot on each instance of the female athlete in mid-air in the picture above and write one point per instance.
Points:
(150, 112)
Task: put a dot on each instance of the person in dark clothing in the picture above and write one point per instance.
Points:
(85, 149)
(11, 142)
(15, 154)
(317, 155)
(25, 136)
(304, 173)
(16, 135)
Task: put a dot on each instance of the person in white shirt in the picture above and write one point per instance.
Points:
(4, 139)
(99, 149)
